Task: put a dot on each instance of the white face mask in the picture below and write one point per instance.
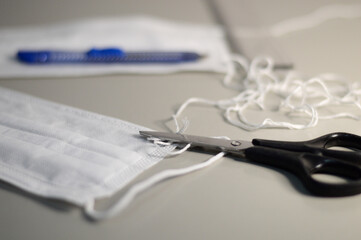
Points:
(65, 153)
(128, 33)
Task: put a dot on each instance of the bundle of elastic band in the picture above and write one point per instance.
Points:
(301, 100)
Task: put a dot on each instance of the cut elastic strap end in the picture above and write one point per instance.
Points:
(142, 186)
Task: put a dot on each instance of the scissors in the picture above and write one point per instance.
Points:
(304, 159)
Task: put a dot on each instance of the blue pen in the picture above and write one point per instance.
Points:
(107, 55)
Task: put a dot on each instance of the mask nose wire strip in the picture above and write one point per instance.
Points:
(143, 186)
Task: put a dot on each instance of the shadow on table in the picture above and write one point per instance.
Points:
(51, 203)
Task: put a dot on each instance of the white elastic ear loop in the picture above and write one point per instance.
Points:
(144, 185)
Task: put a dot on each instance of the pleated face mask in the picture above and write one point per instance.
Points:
(61, 152)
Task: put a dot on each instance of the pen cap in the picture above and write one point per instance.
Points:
(33, 56)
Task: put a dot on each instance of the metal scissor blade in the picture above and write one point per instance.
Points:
(215, 144)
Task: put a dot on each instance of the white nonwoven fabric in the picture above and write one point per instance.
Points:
(61, 152)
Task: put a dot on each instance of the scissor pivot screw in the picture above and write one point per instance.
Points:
(236, 143)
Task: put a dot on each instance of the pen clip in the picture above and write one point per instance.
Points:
(106, 52)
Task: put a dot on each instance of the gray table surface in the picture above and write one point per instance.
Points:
(229, 200)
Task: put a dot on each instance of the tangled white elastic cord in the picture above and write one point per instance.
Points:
(300, 100)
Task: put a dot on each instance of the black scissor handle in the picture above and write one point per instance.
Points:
(320, 145)
(340, 139)
(304, 165)
(310, 157)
